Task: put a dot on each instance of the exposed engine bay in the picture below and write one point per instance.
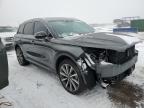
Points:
(108, 64)
(110, 56)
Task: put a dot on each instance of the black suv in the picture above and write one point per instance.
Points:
(3, 67)
(75, 51)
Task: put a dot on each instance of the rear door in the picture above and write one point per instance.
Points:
(3, 67)
(28, 41)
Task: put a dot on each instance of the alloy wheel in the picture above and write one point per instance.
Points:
(19, 55)
(69, 77)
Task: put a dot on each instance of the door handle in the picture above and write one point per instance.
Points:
(20, 41)
(32, 41)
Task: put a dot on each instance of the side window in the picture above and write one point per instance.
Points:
(39, 27)
(28, 29)
(20, 30)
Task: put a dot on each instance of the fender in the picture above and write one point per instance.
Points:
(74, 59)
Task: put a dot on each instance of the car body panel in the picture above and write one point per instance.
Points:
(99, 40)
(3, 67)
(46, 52)
(111, 70)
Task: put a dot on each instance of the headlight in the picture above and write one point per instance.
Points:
(96, 54)
(9, 39)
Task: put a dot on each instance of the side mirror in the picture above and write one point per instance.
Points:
(41, 35)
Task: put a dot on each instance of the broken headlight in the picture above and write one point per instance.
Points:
(94, 55)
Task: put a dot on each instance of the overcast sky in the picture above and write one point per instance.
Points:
(14, 12)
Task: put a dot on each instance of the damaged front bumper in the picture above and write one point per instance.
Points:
(110, 70)
(105, 71)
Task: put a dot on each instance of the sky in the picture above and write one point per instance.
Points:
(14, 12)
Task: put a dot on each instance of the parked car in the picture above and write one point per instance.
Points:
(7, 39)
(3, 67)
(71, 48)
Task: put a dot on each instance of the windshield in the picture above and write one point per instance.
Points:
(70, 28)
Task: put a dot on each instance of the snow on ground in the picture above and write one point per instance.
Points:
(34, 87)
(105, 28)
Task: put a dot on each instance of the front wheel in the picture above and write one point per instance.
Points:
(70, 77)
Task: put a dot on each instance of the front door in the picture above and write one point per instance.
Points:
(41, 47)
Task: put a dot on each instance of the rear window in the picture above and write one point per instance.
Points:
(28, 29)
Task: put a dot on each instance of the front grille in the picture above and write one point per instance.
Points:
(121, 57)
(9, 44)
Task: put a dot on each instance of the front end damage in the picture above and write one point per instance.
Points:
(109, 66)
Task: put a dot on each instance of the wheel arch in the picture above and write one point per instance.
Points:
(16, 46)
(63, 56)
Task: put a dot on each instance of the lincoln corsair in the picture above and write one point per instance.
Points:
(80, 56)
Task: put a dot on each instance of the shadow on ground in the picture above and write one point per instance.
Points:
(125, 94)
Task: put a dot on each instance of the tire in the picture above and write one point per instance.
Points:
(70, 77)
(20, 57)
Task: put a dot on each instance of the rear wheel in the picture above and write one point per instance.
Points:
(20, 57)
(70, 77)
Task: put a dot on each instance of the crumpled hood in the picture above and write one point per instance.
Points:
(111, 41)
